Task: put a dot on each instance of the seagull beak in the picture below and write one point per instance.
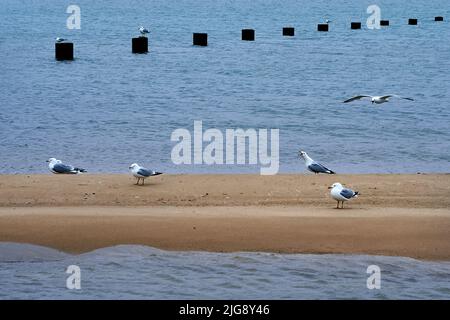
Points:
(330, 187)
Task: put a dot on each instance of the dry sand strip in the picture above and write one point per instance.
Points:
(389, 190)
(416, 233)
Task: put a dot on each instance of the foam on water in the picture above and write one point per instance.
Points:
(139, 272)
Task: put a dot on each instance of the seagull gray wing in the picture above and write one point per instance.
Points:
(347, 193)
(357, 98)
(63, 168)
(397, 96)
(318, 168)
(145, 172)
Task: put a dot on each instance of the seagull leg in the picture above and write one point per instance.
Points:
(342, 206)
(143, 181)
(337, 207)
(137, 182)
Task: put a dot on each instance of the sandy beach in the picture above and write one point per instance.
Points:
(398, 215)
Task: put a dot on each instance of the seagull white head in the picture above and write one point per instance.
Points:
(134, 165)
(305, 156)
(51, 160)
(334, 185)
(143, 30)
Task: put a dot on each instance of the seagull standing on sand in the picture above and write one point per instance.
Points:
(377, 99)
(56, 166)
(341, 194)
(141, 173)
(314, 166)
(143, 31)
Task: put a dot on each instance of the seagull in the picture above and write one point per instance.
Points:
(141, 173)
(327, 21)
(377, 99)
(60, 40)
(341, 194)
(56, 166)
(314, 166)
(143, 31)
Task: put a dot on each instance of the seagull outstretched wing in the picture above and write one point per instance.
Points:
(357, 98)
(396, 96)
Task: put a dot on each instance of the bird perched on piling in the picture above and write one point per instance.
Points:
(314, 166)
(142, 173)
(56, 166)
(341, 194)
(58, 39)
(377, 99)
(143, 31)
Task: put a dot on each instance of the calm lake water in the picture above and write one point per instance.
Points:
(138, 272)
(109, 108)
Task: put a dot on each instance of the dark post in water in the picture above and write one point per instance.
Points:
(439, 18)
(322, 27)
(384, 23)
(248, 34)
(200, 39)
(412, 22)
(288, 31)
(64, 51)
(355, 25)
(139, 45)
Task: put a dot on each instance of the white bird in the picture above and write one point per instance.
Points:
(327, 21)
(377, 99)
(143, 31)
(141, 173)
(314, 166)
(341, 194)
(56, 166)
(60, 39)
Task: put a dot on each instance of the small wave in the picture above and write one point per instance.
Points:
(23, 252)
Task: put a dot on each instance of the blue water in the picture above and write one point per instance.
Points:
(138, 272)
(109, 108)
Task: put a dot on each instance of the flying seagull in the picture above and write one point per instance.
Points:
(314, 166)
(341, 194)
(377, 99)
(60, 40)
(141, 173)
(57, 167)
(143, 31)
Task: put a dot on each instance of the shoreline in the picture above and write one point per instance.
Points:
(396, 215)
